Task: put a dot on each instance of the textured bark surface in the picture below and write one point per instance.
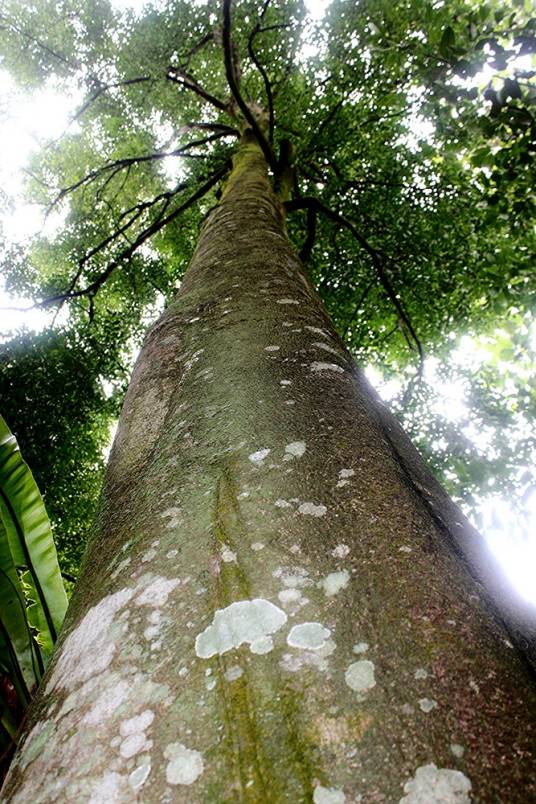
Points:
(271, 609)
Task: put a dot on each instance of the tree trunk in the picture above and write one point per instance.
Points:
(271, 608)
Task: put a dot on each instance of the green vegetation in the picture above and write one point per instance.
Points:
(32, 595)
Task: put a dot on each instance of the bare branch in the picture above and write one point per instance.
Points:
(155, 226)
(235, 90)
(187, 81)
(196, 48)
(104, 88)
(304, 203)
(360, 301)
(267, 84)
(232, 132)
(127, 162)
(73, 65)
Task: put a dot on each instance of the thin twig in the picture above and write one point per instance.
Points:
(120, 164)
(155, 227)
(304, 203)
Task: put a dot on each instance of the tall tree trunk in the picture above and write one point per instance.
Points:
(271, 608)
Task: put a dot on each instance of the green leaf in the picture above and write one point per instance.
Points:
(19, 654)
(29, 537)
(447, 41)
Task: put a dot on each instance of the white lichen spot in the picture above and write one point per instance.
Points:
(285, 382)
(132, 745)
(293, 577)
(326, 348)
(148, 555)
(245, 621)
(211, 683)
(227, 554)
(89, 648)
(157, 591)
(120, 567)
(138, 723)
(427, 704)
(432, 784)
(404, 549)
(319, 366)
(328, 795)
(257, 546)
(272, 348)
(308, 636)
(335, 582)
(139, 775)
(280, 503)
(259, 456)
(295, 449)
(341, 551)
(317, 330)
(174, 516)
(420, 673)
(457, 749)
(233, 673)
(360, 647)
(107, 788)
(172, 553)
(294, 662)
(262, 645)
(287, 301)
(109, 699)
(289, 596)
(185, 764)
(310, 509)
(360, 676)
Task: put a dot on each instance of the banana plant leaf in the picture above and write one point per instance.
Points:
(29, 538)
(20, 656)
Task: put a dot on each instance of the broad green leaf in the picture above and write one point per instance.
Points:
(30, 541)
(18, 650)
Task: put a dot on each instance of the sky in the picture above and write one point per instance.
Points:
(27, 123)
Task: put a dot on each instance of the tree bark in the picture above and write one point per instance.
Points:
(278, 604)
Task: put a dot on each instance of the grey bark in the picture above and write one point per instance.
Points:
(278, 604)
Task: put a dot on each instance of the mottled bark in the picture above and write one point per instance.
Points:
(271, 609)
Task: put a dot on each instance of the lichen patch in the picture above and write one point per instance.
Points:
(311, 509)
(431, 783)
(326, 348)
(317, 366)
(156, 592)
(295, 449)
(360, 676)
(328, 795)
(427, 704)
(341, 551)
(90, 647)
(140, 774)
(259, 455)
(245, 621)
(308, 636)
(335, 582)
(185, 765)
